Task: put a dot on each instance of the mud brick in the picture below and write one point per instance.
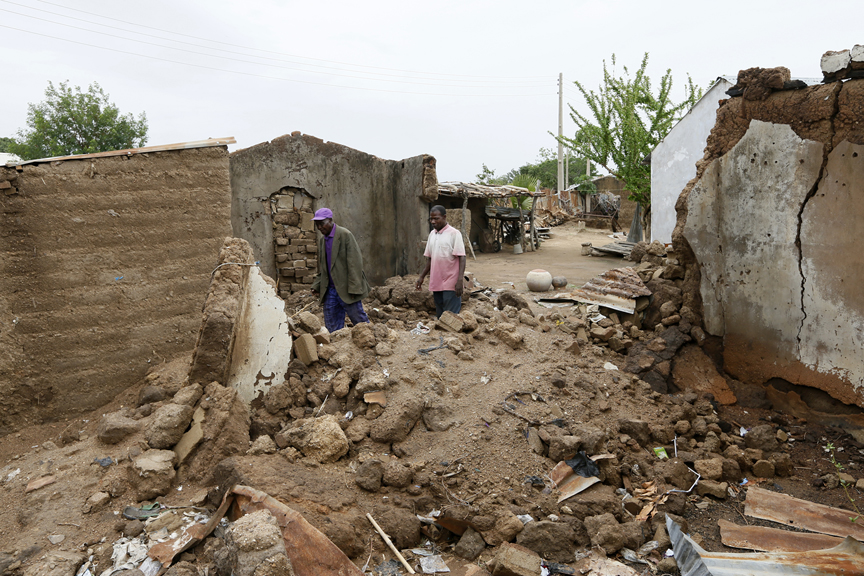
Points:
(296, 287)
(287, 272)
(281, 257)
(282, 249)
(301, 242)
(302, 272)
(515, 560)
(306, 349)
(450, 322)
(309, 279)
(299, 264)
(306, 221)
(281, 241)
(322, 336)
(310, 236)
(283, 293)
(312, 248)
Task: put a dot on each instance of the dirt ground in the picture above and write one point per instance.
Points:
(560, 255)
(470, 451)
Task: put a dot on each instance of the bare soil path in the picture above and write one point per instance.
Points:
(561, 256)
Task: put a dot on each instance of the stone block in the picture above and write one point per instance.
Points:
(299, 264)
(312, 248)
(281, 258)
(712, 488)
(309, 322)
(603, 334)
(306, 349)
(322, 336)
(286, 272)
(516, 560)
(450, 322)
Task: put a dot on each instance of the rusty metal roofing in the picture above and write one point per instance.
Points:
(462, 189)
(693, 560)
(617, 289)
(143, 150)
(785, 509)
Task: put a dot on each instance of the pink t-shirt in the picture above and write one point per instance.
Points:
(444, 248)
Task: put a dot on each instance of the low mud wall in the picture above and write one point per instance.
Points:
(769, 233)
(105, 263)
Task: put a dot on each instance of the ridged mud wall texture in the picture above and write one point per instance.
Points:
(770, 232)
(104, 265)
(384, 203)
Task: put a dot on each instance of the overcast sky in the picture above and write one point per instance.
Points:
(466, 81)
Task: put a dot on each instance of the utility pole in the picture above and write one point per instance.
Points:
(567, 170)
(560, 132)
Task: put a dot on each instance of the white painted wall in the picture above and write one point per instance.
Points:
(673, 161)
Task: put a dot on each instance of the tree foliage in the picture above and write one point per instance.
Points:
(544, 169)
(626, 121)
(71, 121)
(6, 144)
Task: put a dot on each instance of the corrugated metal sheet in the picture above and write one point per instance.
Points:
(843, 560)
(462, 189)
(617, 289)
(773, 539)
(785, 509)
(144, 150)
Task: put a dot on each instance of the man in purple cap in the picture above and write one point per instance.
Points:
(340, 283)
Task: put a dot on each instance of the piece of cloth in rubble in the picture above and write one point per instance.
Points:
(346, 268)
(443, 248)
(583, 466)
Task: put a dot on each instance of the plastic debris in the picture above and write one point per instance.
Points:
(147, 511)
(104, 462)
(661, 453)
(420, 329)
(433, 564)
(525, 518)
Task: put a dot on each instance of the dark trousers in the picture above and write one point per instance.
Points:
(447, 300)
(335, 310)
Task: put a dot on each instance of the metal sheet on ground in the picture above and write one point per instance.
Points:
(773, 539)
(693, 560)
(802, 514)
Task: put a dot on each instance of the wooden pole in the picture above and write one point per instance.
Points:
(531, 230)
(390, 544)
(464, 232)
(521, 224)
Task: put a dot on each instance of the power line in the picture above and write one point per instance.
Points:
(258, 75)
(497, 82)
(262, 63)
(274, 52)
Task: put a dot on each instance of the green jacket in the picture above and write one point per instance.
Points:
(346, 268)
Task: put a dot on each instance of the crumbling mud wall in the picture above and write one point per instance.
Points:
(103, 262)
(277, 185)
(769, 229)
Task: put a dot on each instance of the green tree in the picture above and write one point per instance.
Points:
(70, 121)
(6, 144)
(487, 177)
(626, 121)
(546, 169)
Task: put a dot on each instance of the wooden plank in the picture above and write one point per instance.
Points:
(773, 539)
(802, 514)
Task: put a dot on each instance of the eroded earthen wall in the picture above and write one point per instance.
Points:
(105, 263)
(383, 202)
(769, 233)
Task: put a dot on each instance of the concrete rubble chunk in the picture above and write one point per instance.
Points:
(168, 425)
(260, 547)
(833, 62)
(114, 427)
(319, 438)
(515, 560)
(308, 322)
(152, 473)
(191, 438)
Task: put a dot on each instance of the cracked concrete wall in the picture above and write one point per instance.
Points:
(768, 234)
(383, 202)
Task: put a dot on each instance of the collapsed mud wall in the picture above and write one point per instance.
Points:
(276, 185)
(769, 232)
(104, 261)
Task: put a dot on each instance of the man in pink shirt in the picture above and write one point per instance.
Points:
(445, 263)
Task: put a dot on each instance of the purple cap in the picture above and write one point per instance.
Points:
(323, 214)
